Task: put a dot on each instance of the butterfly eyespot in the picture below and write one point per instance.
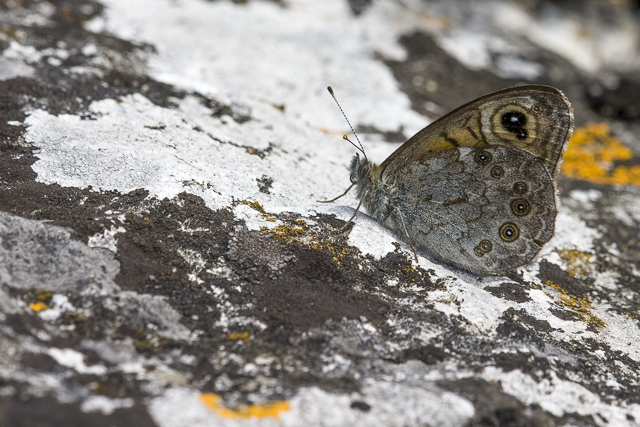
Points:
(484, 247)
(509, 232)
(520, 207)
(515, 123)
(483, 157)
(497, 172)
(520, 187)
(536, 108)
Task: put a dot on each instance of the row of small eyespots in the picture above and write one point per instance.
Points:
(509, 232)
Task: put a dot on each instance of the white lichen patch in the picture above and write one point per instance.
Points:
(206, 47)
(58, 305)
(396, 404)
(106, 239)
(74, 359)
(562, 397)
(105, 405)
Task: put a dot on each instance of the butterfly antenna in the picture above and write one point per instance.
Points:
(345, 117)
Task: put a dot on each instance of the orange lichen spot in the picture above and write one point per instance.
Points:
(578, 262)
(270, 409)
(318, 242)
(238, 336)
(635, 315)
(258, 207)
(38, 306)
(592, 155)
(284, 233)
(44, 296)
(42, 299)
(299, 231)
(255, 205)
(573, 303)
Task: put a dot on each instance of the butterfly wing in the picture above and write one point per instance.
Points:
(485, 209)
(535, 118)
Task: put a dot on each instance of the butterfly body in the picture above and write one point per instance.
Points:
(476, 189)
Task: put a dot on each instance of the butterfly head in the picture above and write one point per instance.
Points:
(360, 169)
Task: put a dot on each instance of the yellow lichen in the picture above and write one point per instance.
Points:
(38, 306)
(43, 298)
(592, 154)
(237, 336)
(284, 233)
(149, 343)
(318, 242)
(635, 315)
(575, 304)
(298, 231)
(578, 262)
(258, 207)
(271, 409)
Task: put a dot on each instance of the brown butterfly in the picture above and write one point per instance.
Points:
(476, 188)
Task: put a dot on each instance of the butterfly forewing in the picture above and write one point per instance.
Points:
(534, 118)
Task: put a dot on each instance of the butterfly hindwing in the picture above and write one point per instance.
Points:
(485, 209)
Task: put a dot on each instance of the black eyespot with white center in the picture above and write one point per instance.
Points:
(520, 187)
(497, 172)
(483, 157)
(509, 232)
(515, 122)
(486, 246)
(520, 207)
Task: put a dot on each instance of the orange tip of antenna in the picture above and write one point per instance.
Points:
(345, 137)
(330, 90)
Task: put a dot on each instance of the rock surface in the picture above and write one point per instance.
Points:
(164, 261)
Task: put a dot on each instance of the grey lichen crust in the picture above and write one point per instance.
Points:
(162, 262)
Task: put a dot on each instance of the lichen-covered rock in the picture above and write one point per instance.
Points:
(164, 262)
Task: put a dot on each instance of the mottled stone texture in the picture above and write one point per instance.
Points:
(217, 292)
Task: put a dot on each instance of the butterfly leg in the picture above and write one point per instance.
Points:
(415, 254)
(352, 216)
(342, 195)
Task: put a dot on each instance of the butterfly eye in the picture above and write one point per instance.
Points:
(363, 170)
(520, 207)
(482, 157)
(509, 232)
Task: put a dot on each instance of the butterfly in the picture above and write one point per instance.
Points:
(475, 189)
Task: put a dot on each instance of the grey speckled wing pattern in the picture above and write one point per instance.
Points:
(476, 188)
(484, 209)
